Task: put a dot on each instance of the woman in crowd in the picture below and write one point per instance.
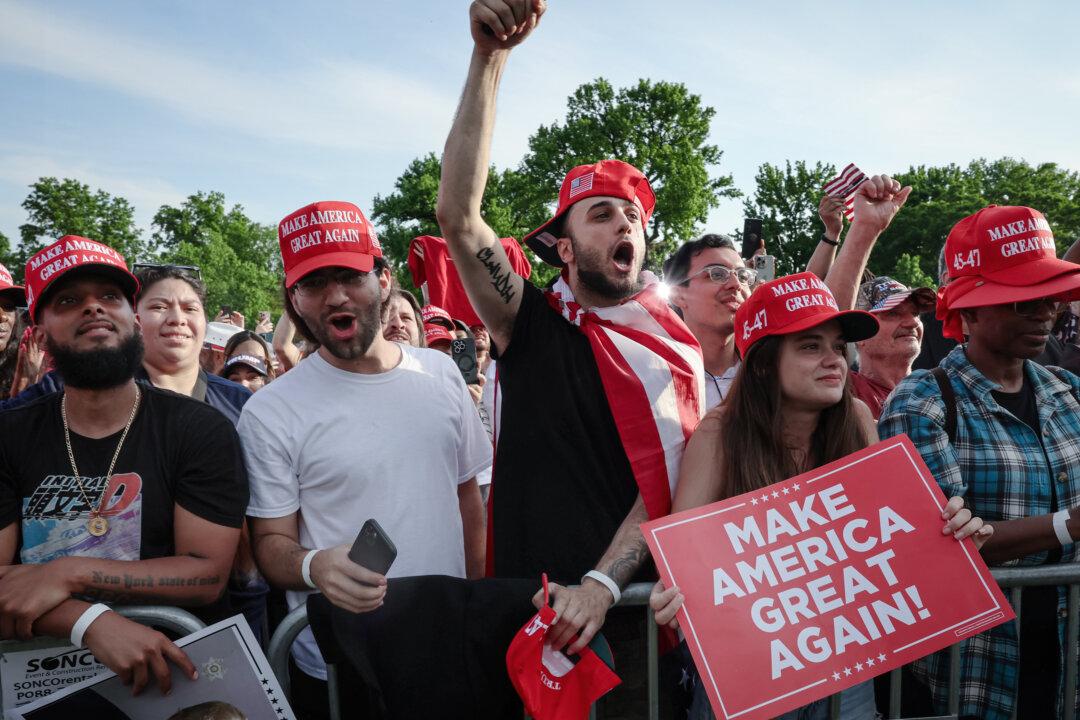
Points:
(247, 342)
(401, 319)
(789, 410)
(11, 329)
(247, 370)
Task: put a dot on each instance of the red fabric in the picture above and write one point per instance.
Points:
(52, 262)
(624, 337)
(793, 303)
(433, 270)
(549, 687)
(6, 282)
(326, 234)
(870, 392)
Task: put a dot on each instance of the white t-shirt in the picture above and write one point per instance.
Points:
(717, 386)
(342, 447)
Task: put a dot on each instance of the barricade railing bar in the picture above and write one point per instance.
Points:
(1012, 579)
(173, 619)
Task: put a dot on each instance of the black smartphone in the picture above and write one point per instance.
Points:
(751, 236)
(463, 352)
(226, 310)
(373, 548)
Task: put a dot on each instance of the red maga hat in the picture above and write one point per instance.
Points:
(793, 303)
(326, 234)
(69, 253)
(8, 286)
(1004, 254)
(435, 314)
(608, 178)
(436, 334)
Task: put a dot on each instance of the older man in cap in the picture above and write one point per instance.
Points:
(1004, 432)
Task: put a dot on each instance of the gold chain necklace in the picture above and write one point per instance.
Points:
(97, 525)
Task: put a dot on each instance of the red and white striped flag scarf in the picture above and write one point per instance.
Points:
(654, 379)
(844, 186)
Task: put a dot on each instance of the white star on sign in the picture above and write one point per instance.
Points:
(795, 486)
(786, 491)
(775, 494)
(870, 662)
(753, 501)
(836, 676)
(881, 657)
(765, 497)
(847, 671)
(858, 667)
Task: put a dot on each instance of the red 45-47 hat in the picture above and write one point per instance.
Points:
(68, 254)
(793, 303)
(609, 178)
(1004, 254)
(326, 234)
(9, 288)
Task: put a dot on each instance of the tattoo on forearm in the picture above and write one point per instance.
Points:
(500, 280)
(118, 588)
(622, 569)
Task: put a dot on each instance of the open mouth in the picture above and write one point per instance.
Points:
(342, 325)
(397, 337)
(98, 327)
(623, 257)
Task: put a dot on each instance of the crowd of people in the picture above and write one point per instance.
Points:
(151, 454)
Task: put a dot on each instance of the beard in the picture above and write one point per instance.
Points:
(99, 369)
(368, 325)
(591, 275)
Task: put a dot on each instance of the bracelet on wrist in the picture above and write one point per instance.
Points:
(92, 613)
(825, 239)
(607, 582)
(305, 569)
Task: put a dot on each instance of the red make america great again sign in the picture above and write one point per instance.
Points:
(823, 581)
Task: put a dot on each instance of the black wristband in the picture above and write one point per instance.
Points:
(825, 239)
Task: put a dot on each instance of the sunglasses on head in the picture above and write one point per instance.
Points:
(192, 270)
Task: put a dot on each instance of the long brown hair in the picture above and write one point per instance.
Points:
(751, 428)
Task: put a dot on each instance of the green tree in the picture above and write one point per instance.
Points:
(786, 199)
(659, 127)
(908, 270)
(7, 257)
(238, 258)
(68, 207)
(409, 211)
(942, 196)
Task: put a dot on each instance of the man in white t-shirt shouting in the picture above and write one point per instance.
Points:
(364, 428)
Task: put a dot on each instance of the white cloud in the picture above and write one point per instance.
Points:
(352, 106)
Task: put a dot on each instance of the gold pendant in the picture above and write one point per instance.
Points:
(97, 526)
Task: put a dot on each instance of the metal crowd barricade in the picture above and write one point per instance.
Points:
(174, 619)
(1012, 579)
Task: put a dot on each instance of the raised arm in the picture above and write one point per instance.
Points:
(831, 212)
(876, 203)
(490, 282)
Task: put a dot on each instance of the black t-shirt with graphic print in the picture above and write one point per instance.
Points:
(179, 452)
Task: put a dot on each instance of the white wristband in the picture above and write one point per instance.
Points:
(1061, 529)
(305, 570)
(81, 625)
(606, 582)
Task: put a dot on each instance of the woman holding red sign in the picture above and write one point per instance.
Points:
(790, 410)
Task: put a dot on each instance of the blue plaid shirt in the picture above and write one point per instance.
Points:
(1004, 471)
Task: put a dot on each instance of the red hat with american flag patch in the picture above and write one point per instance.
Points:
(608, 178)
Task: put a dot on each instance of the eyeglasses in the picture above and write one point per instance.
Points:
(316, 284)
(1029, 308)
(720, 274)
(192, 270)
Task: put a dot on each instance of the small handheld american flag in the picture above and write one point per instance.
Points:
(844, 186)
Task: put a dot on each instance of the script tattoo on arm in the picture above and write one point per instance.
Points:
(119, 588)
(500, 277)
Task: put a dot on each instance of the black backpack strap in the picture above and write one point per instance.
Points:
(949, 398)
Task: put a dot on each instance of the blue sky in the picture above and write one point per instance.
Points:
(278, 104)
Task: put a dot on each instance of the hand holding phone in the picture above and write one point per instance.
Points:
(373, 549)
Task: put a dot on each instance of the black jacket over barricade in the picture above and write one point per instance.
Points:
(436, 648)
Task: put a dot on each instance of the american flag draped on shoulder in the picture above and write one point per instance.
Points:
(654, 379)
(844, 186)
